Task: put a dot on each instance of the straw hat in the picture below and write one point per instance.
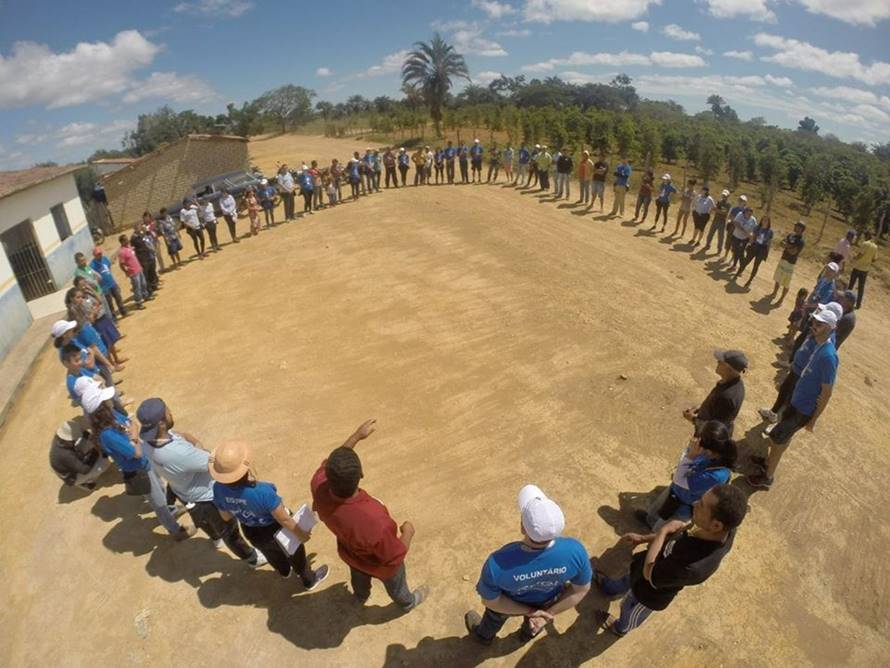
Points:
(229, 462)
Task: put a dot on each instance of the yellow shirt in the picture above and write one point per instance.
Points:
(867, 253)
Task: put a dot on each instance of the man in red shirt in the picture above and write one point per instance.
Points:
(367, 538)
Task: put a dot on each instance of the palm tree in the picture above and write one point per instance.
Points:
(429, 68)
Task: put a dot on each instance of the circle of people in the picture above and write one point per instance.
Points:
(688, 528)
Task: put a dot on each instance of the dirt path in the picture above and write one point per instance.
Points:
(486, 330)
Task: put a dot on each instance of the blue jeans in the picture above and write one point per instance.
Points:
(139, 286)
(633, 613)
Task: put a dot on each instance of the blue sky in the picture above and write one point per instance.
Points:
(74, 76)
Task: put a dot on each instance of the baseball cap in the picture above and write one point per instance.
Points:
(542, 518)
(725, 192)
(94, 396)
(833, 266)
(97, 251)
(827, 316)
(743, 198)
(734, 358)
(72, 429)
(666, 177)
(834, 307)
(61, 326)
(229, 462)
(150, 413)
(82, 384)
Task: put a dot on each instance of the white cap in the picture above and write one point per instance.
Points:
(537, 146)
(831, 265)
(725, 193)
(743, 198)
(834, 307)
(94, 396)
(264, 182)
(72, 429)
(475, 141)
(666, 177)
(82, 384)
(61, 326)
(827, 316)
(542, 518)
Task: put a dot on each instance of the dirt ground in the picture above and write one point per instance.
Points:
(487, 330)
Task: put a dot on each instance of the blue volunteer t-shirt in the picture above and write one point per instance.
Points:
(403, 159)
(251, 504)
(476, 151)
(102, 266)
(823, 292)
(450, 152)
(665, 192)
(701, 477)
(802, 356)
(524, 156)
(117, 445)
(622, 175)
(534, 577)
(820, 370)
(89, 337)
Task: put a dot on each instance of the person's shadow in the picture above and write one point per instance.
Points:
(72, 494)
(312, 620)
(764, 305)
(717, 270)
(734, 288)
(622, 519)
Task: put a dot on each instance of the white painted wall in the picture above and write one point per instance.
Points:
(35, 203)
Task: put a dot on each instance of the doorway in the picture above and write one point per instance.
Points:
(27, 261)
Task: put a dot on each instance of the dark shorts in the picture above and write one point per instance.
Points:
(700, 220)
(792, 422)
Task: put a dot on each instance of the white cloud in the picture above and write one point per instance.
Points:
(703, 51)
(674, 31)
(514, 32)
(621, 59)
(607, 11)
(33, 74)
(642, 26)
(81, 134)
(171, 86)
(495, 10)
(224, 8)
(323, 72)
(29, 138)
(781, 82)
(668, 59)
(470, 40)
(756, 10)
(804, 56)
(485, 78)
(872, 113)
(390, 64)
(739, 55)
(852, 95)
(857, 12)
(580, 78)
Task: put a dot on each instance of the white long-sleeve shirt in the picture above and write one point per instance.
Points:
(189, 217)
(228, 205)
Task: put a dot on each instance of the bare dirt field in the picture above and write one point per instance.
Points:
(487, 330)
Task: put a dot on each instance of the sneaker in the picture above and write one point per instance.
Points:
(769, 430)
(260, 560)
(768, 415)
(471, 621)
(420, 595)
(218, 543)
(320, 574)
(759, 481)
(184, 533)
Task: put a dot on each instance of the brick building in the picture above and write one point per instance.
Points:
(166, 175)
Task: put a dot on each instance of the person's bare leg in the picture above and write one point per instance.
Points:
(776, 451)
(782, 298)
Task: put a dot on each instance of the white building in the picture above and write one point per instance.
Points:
(42, 226)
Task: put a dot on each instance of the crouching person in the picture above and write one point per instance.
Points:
(74, 456)
(680, 554)
(537, 577)
(180, 460)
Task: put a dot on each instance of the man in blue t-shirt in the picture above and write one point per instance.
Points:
(102, 266)
(809, 398)
(450, 155)
(476, 151)
(537, 577)
(622, 183)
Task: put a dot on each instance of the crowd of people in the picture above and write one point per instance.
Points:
(688, 528)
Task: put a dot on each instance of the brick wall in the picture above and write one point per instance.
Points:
(166, 175)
